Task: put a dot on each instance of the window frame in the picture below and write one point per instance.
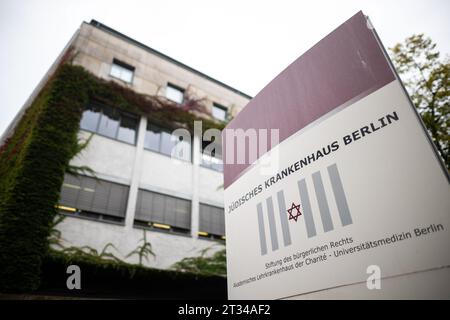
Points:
(178, 88)
(128, 115)
(116, 134)
(160, 144)
(210, 235)
(92, 214)
(148, 224)
(209, 164)
(122, 65)
(221, 107)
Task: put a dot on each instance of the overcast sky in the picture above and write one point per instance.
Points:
(242, 43)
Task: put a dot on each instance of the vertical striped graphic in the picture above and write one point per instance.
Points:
(284, 219)
(272, 225)
(262, 231)
(323, 203)
(307, 213)
(339, 194)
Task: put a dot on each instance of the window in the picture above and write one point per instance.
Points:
(127, 129)
(110, 122)
(212, 162)
(163, 211)
(212, 221)
(174, 93)
(152, 138)
(122, 71)
(162, 141)
(212, 155)
(92, 198)
(89, 120)
(219, 112)
(168, 142)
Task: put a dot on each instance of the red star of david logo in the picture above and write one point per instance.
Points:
(294, 216)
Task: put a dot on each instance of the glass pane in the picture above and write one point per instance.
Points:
(117, 200)
(152, 139)
(168, 142)
(183, 214)
(219, 113)
(121, 72)
(101, 197)
(213, 162)
(126, 75)
(144, 209)
(206, 160)
(109, 123)
(87, 193)
(217, 151)
(183, 150)
(158, 209)
(69, 191)
(89, 119)
(212, 148)
(115, 70)
(127, 129)
(174, 94)
(169, 213)
(216, 164)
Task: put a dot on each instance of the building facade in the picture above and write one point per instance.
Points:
(144, 180)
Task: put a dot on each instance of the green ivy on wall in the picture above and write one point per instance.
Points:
(32, 166)
(34, 159)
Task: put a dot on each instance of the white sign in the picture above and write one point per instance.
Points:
(360, 186)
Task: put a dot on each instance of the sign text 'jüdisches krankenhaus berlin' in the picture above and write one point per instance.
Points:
(356, 181)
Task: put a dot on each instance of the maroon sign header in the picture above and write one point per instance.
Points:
(346, 65)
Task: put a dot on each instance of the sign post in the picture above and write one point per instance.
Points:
(339, 175)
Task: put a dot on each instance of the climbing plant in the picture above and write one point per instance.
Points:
(143, 251)
(93, 254)
(215, 264)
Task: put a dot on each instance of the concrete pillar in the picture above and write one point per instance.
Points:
(136, 174)
(196, 153)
